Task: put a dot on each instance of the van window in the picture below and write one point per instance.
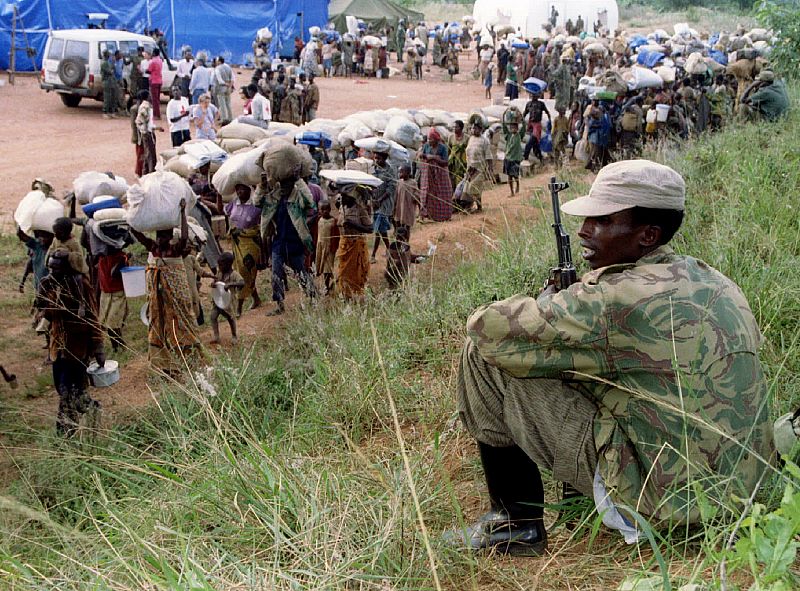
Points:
(79, 49)
(56, 48)
(110, 46)
(128, 48)
(149, 47)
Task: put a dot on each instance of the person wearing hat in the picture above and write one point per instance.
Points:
(766, 97)
(639, 385)
(65, 300)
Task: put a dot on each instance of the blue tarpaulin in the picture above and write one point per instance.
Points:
(221, 27)
(718, 56)
(637, 41)
(649, 58)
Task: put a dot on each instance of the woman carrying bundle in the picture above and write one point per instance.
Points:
(172, 333)
(355, 224)
(245, 233)
(435, 186)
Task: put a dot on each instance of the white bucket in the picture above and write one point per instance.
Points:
(662, 111)
(133, 281)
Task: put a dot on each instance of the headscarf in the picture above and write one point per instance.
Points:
(434, 135)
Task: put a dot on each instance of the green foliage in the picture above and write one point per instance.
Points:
(769, 542)
(783, 17)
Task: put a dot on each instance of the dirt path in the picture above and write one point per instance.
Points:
(464, 237)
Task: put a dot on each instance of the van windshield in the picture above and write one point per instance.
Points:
(78, 49)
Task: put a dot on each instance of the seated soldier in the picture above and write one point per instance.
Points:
(766, 97)
(634, 385)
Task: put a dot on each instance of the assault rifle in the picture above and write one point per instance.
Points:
(564, 274)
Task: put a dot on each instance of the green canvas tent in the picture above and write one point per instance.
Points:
(376, 13)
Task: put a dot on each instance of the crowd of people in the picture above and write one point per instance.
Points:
(597, 101)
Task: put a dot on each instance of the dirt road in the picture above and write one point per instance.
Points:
(42, 137)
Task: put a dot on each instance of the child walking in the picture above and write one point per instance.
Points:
(418, 65)
(327, 244)
(514, 136)
(487, 81)
(407, 201)
(113, 303)
(233, 283)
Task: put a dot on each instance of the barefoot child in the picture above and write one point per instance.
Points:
(513, 135)
(400, 259)
(113, 303)
(487, 81)
(407, 202)
(233, 283)
(327, 243)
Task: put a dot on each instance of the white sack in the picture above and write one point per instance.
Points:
(205, 149)
(403, 131)
(23, 215)
(154, 204)
(90, 184)
(46, 215)
(240, 169)
(644, 78)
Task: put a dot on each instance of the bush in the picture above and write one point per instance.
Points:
(783, 17)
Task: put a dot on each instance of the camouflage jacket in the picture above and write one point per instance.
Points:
(300, 205)
(667, 348)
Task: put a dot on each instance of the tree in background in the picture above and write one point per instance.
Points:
(783, 17)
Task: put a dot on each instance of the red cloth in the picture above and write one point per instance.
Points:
(105, 265)
(139, 159)
(154, 69)
(155, 96)
(436, 188)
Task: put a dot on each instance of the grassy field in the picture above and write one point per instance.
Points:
(294, 469)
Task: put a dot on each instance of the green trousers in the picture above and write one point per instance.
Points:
(551, 420)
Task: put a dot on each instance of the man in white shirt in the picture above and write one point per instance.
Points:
(178, 118)
(201, 80)
(184, 73)
(260, 108)
(143, 66)
(224, 80)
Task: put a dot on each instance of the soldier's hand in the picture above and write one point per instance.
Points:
(549, 290)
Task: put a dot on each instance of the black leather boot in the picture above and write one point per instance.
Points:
(514, 525)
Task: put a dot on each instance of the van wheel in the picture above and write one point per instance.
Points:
(70, 100)
(71, 71)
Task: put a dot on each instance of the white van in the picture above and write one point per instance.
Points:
(72, 57)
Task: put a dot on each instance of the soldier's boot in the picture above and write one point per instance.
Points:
(514, 525)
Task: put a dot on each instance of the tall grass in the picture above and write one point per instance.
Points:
(288, 475)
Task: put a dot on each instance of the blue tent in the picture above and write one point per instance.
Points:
(221, 27)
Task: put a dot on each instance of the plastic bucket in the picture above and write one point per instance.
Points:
(662, 111)
(133, 281)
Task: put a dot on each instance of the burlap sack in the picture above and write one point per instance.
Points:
(282, 161)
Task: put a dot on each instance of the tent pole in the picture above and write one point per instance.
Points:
(49, 15)
(172, 12)
(12, 59)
